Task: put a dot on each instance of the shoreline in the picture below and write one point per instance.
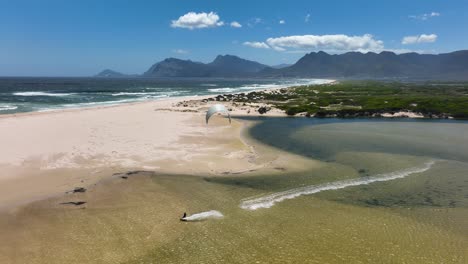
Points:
(164, 99)
(198, 103)
(49, 153)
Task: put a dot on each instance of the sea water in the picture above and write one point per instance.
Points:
(43, 94)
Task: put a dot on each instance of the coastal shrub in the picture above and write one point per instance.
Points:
(372, 97)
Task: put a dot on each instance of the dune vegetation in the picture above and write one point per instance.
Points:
(369, 98)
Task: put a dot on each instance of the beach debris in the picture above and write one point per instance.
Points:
(74, 203)
(217, 108)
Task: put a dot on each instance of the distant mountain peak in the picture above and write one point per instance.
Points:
(222, 66)
(109, 73)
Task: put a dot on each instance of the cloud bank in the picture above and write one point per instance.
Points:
(334, 43)
(423, 38)
(258, 45)
(193, 20)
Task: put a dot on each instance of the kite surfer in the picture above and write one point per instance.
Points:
(183, 217)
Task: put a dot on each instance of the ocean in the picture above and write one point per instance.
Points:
(34, 94)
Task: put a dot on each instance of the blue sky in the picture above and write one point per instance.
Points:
(79, 38)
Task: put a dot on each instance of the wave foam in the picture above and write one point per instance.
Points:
(8, 107)
(127, 93)
(204, 216)
(41, 94)
(281, 84)
(223, 90)
(270, 200)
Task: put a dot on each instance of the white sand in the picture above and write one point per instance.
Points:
(403, 114)
(118, 135)
(48, 153)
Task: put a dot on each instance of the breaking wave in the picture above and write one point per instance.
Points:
(281, 84)
(213, 214)
(134, 93)
(42, 94)
(223, 90)
(151, 94)
(8, 107)
(270, 200)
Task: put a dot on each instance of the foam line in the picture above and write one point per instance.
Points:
(41, 94)
(204, 216)
(8, 107)
(270, 200)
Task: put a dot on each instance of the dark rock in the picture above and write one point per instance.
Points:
(263, 109)
(125, 175)
(74, 203)
(79, 190)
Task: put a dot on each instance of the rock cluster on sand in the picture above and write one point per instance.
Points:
(238, 104)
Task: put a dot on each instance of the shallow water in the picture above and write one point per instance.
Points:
(417, 215)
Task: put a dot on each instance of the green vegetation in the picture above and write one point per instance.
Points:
(369, 98)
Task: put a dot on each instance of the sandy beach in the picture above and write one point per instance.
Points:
(48, 153)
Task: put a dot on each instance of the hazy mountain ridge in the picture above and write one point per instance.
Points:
(110, 73)
(452, 65)
(320, 64)
(222, 66)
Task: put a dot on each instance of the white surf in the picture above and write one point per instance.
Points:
(213, 214)
(270, 200)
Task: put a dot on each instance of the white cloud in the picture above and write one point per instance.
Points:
(307, 18)
(258, 45)
(236, 24)
(282, 21)
(333, 43)
(193, 20)
(180, 51)
(425, 16)
(423, 38)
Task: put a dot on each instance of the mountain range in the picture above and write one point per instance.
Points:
(320, 64)
(221, 66)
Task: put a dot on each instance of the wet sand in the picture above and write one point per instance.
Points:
(136, 220)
